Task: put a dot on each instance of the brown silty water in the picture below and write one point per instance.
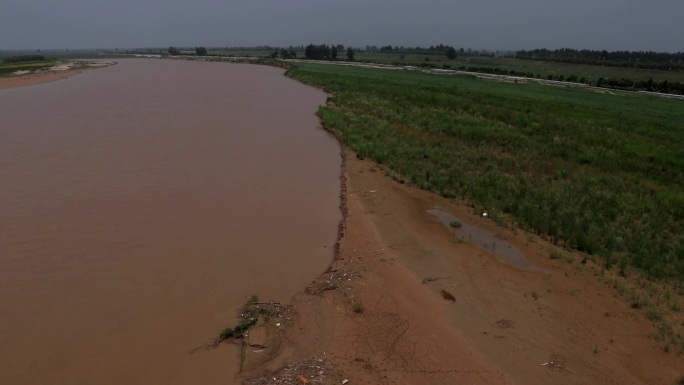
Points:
(141, 204)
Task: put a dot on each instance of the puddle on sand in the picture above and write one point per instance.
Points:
(483, 239)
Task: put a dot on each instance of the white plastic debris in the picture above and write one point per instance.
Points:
(344, 381)
(278, 324)
(485, 214)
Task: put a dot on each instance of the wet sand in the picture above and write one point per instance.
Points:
(36, 78)
(505, 325)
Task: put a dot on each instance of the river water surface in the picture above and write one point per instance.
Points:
(141, 204)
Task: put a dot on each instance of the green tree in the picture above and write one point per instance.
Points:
(451, 53)
(317, 52)
(350, 54)
(200, 51)
(174, 51)
(333, 53)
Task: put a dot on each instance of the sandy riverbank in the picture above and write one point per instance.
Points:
(388, 322)
(35, 78)
(45, 76)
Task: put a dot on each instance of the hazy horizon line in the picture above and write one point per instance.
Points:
(359, 47)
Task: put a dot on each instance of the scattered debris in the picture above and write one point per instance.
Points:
(331, 281)
(249, 315)
(344, 381)
(555, 363)
(315, 371)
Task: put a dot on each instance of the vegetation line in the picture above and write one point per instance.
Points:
(592, 172)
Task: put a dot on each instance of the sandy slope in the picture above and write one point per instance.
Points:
(495, 332)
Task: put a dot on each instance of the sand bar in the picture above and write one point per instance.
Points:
(58, 72)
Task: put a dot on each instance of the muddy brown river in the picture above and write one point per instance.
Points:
(142, 204)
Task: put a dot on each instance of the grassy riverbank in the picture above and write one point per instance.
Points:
(532, 68)
(9, 68)
(596, 171)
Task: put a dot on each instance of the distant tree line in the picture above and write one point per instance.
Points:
(433, 49)
(632, 59)
(437, 49)
(283, 53)
(23, 59)
(449, 51)
(649, 85)
(199, 51)
(326, 52)
(144, 51)
(319, 52)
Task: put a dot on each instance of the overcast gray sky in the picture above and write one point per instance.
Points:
(480, 24)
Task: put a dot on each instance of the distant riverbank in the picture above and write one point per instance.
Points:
(62, 70)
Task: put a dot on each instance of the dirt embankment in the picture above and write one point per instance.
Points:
(406, 302)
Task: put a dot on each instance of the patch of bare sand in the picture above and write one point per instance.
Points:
(46, 76)
(34, 78)
(385, 320)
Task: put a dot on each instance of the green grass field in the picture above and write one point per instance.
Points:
(535, 67)
(7, 69)
(590, 72)
(599, 172)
